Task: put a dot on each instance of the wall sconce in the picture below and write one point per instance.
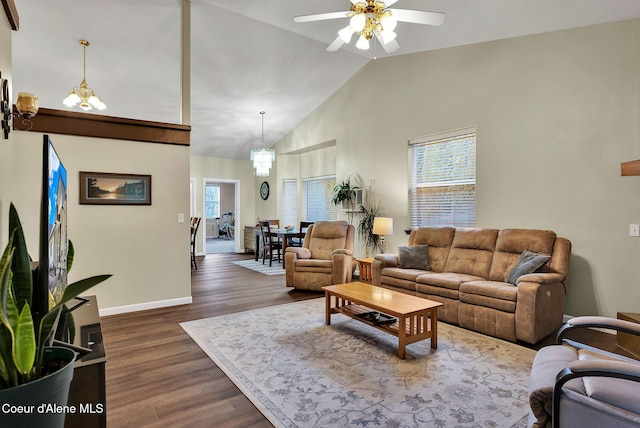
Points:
(26, 107)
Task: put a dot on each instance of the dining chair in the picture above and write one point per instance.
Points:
(271, 244)
(195, 224)
(298, 241)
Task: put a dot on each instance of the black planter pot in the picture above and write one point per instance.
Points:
(40, 403)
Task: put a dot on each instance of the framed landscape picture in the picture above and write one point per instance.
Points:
(105, 188)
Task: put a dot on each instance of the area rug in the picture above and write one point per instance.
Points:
(300, 372)
(257, 266)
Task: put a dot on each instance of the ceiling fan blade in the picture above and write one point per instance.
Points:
(335, 45)
(418, 16)
(390, 47)
(319, 17)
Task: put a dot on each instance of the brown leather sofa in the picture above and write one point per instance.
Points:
(325, 258)
(467, 272)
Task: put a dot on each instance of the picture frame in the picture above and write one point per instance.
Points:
(107, 188)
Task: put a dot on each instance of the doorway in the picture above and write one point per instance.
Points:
(221, 213)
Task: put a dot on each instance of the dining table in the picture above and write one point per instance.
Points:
(283, 234)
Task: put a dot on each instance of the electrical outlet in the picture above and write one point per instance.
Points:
(180, 218)
(634, 230)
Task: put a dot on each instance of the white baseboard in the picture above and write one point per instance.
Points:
(145, 306)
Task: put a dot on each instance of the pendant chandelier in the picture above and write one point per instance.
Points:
(84, 95)
(262, 158)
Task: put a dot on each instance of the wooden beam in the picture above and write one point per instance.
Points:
(96, 125)
(12, 14)
(630, 168)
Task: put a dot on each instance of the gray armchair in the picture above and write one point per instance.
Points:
(575, 385)
(325, 258)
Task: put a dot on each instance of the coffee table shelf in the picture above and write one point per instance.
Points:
(417, 318)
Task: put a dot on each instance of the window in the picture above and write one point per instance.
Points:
(212, 201)
(289, 202)
(318, 193)
(442, 179)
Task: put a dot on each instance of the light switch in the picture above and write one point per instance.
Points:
(634, 230)
(180, 218)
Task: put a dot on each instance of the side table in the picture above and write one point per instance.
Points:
(364, 266)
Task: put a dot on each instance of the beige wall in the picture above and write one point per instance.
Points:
(556, 114)
(144, 247)
(5, 145)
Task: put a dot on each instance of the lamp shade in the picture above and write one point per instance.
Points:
(27, 104)
(383, 226)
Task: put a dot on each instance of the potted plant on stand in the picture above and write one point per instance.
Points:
(34, 377)
(344, 194)
(369, 211)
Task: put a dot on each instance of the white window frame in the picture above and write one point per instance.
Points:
(289, 201)
(457, 188)
(329, 209)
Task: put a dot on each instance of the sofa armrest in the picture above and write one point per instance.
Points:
(388, 260)
(597, 322)
(541, 278)
(300, 252)
(539, 309)
(343, 266)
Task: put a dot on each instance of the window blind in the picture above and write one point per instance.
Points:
(212, 201)
(442, 180)
(289, 202)
(318, 193)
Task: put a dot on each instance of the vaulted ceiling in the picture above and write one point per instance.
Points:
(247, 56)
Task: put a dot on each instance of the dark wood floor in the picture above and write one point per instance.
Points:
(158, 377)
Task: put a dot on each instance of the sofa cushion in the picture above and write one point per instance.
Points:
(438, 239)
(490, 294)
(472, 251)
(398, 277)
(527, 263)
(413, 257)
(450, 280)
(510, 245)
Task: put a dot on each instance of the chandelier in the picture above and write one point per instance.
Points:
(262, 158)
(84, 95)
(367, 20)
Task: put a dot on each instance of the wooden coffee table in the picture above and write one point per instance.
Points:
(417, 318)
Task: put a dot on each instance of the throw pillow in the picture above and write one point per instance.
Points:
(527, 263)
(414, 257)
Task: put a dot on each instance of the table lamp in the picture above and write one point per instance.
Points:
(382, 226)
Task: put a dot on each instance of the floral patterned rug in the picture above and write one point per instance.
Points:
(275, 269)
(300, 372)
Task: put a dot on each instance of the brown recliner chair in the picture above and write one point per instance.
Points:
(575, 385)
(325, 258)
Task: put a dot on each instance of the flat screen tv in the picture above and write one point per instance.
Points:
(53, 249)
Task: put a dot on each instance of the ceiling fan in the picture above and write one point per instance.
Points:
(369, 18)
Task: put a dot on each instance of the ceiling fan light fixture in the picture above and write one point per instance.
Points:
(358, 22)
(346, 33)
(388, 36)
(362, 43)
(388, 21)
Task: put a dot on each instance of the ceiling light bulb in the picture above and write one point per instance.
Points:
(346, 33)
(71, 100)
(388, 36)
(358, 22)
(362, 43)
(388, 21)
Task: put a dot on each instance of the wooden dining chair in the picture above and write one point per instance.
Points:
(271, 244)
(195, 224)
(298, 241)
